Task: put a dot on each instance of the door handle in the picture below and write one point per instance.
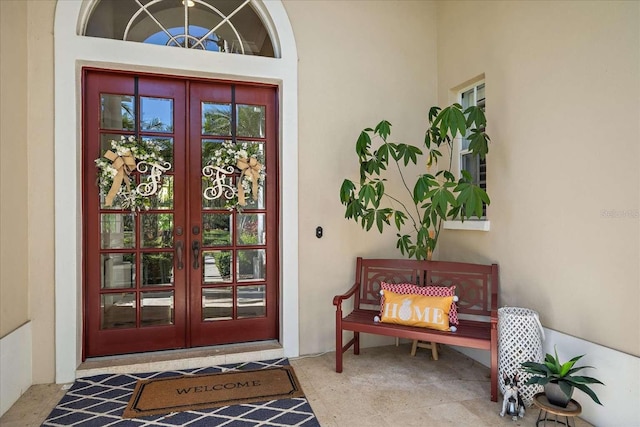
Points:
(179, 254)
(195, 247)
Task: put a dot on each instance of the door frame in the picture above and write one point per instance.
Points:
(72, 52)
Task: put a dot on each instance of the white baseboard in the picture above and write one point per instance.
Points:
(619, 371)
(15, 365)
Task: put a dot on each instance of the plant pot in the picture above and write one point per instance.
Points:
(556, 396)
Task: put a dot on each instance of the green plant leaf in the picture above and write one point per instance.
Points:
(453, 212)
(451, 121)
(367, 194)
(538, 380)
(449, 176)
(399, 218)
(566, 367)
(405, 245)
(382, 217)
(579, 368)
(373, 166)
(421, 252)
(566, 388)
(422, 187)
(589, 392)
(354, 209)
(367, 219)
(475, 116)
(346, 191)
(579, 379)
(379, 187)
(441, 198)
(382, 154)
(362, 145)
(433, 112)
(470, 198)
(383, 129)
(478, 143)
(408, 153)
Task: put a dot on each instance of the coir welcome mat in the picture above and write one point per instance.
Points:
(192, 392)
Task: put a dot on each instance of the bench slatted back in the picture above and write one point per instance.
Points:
(476, 284)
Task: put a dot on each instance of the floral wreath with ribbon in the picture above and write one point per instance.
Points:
(117, 165)
(229, 158)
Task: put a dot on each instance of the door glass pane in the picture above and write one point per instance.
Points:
(251, 265)
(251, 301)
(156, 308)
(251, 229)
(105, 145)
(105, 141)
(117, 203)
(157, 269)
(156, 230)
(212, 188)
(216, 229)
(117, 112)
(471, 164)
(217, 266)
(163, 199)
(217, 304)
(211, 148)
(117, 231)
(118, 311)
(164, 146)
(118, 270)
(216, 118)
(157, 114)
(255, 150)
(251, 120)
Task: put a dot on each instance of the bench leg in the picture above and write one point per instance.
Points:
(338, 346)
(423, 344)
(356, 343)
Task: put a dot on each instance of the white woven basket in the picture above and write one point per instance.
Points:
(520, 337)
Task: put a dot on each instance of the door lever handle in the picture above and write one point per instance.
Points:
(179, 254)
(195, 247)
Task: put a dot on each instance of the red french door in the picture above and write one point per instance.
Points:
(186, 268)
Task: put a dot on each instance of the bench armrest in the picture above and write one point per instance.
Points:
(337, 300)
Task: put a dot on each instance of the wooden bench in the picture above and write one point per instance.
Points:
(476, 287)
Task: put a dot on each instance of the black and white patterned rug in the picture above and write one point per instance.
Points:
(100, 400)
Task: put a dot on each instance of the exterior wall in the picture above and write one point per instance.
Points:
(14, 262)
(27, 152)
(360, 62)
(16, 352)
(563, 100)
(572, 238)
(40, 189)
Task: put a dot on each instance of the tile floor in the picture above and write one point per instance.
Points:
(383, 387)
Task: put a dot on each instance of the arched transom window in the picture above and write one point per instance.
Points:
(230, 26)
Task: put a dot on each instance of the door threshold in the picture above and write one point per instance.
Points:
(170, 360)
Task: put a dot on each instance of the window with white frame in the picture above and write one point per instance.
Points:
(472, 95)
(475, 165)
(229, 26)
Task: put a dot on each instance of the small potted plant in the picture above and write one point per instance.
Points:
(559, 379)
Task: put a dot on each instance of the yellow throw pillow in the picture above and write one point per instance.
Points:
(417, 310)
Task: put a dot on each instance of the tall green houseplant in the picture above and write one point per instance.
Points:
(435, 197)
